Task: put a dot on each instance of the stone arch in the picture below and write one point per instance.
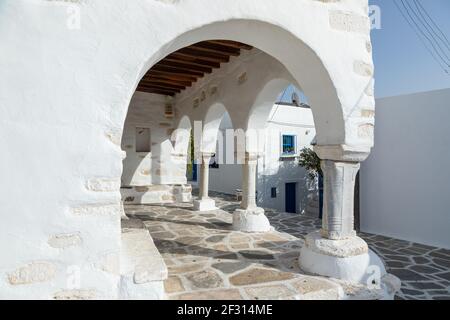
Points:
(264, 101)
(303, 62)
(181, 136)
(211, 127)
(259, 113)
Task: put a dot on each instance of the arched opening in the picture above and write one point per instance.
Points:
(282, 113)
(302, 62)
(204, 70)
(179, 67)
(324, 48)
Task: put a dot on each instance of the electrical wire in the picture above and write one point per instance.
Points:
(442, 66)
(438, 52)
(445, 39)
(431, 33)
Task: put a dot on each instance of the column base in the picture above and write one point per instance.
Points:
(251, 220)
(205, 205)
(349, 260)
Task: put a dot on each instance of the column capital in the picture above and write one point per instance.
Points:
(205, 156)
(342, 152)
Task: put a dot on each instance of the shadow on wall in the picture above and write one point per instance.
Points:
(131, 165)
(288, 172)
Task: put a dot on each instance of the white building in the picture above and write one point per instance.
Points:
(66, 89)
(281, 183)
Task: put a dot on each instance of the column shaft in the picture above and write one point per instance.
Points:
(249, 217)
(339, 187)
(204, 177)
(249, 184)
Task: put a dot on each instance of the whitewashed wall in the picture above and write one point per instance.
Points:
(273, 171)
(405, 183)
(155, 167)
(228, 177)
(158, 176)
(65, 93)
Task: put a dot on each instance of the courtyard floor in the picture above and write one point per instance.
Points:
(207, 260)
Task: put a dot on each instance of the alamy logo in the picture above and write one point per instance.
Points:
(375, 17)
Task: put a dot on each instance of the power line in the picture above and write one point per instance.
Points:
(423, 20)
(433, 44)
(432, 33)
(443, 67)
(447, 42)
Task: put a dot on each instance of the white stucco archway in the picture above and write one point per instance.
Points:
(181, 136)
(212, 121)
(72, 119)
(309, 71)
(260, 110)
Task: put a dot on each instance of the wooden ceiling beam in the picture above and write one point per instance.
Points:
(156, 91)
(161, 87)
(216, 48)
(186, 65)
(169, 76)
(208, 56)
(167, 81)
(165, 85)
(232, 44)
(192, 60)
(182, 68)
(178, 71)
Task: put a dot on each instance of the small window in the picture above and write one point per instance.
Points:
(273, 192)
(143, 141)
(289, 145)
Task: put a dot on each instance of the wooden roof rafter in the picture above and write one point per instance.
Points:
(180, 69)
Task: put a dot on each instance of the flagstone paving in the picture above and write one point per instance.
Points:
(208, 260)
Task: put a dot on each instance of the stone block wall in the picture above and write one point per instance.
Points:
(157, 194)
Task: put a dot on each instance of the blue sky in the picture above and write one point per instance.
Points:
(402, 64)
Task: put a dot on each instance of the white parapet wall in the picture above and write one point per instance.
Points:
(405, 181)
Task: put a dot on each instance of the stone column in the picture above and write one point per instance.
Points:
(204, 203)
(336, 251)
(338, 211)
(250, 218)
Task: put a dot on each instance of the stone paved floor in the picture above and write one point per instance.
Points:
(207, 260)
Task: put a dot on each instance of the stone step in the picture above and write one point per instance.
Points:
(142, 268)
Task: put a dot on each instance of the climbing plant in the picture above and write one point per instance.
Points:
(190, 163)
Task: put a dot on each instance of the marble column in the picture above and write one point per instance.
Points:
(249, 217)
(335, 250)
(338, 210)
(204, 203)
